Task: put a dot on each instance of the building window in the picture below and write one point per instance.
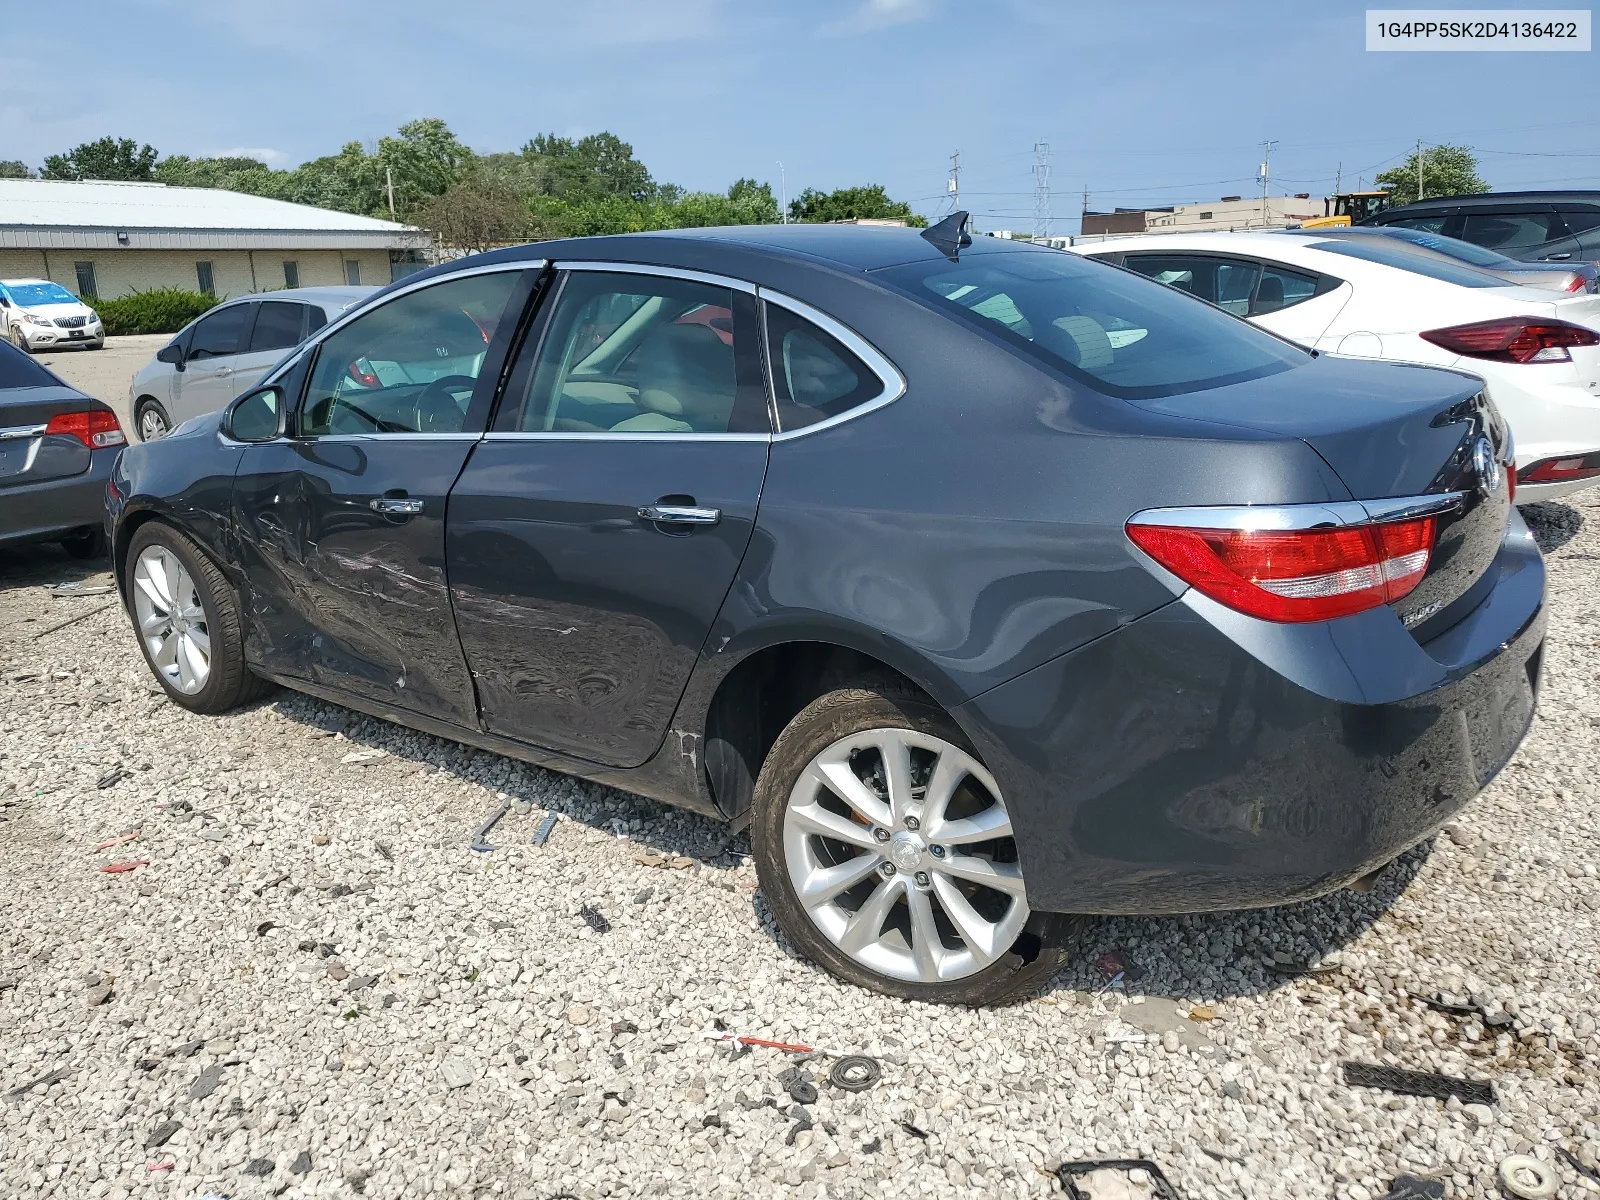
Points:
(352, 272)
(291, 273)
(1205, 216)
(208, 283)
(86, 284)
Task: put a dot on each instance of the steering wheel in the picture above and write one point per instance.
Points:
(437, 410)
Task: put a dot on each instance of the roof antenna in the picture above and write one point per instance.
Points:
(952, 233)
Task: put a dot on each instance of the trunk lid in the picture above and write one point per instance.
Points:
(1390, 430)
(27, 454)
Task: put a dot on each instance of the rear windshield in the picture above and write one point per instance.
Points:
(1124, 334)
(17, 370)
(30, 294)
(1454, 247)
(1395, 255)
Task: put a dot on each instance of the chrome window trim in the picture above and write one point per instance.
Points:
(737, 285)
(16, 433)
(894, 383)
(1296, 518)
(577, 435)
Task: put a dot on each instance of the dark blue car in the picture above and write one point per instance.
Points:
(986, 584)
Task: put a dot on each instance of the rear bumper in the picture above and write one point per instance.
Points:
(1198, 759)
(42, 512)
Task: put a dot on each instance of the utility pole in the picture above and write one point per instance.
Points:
(783, 195)
(388, 180)
(1338, 180)
(1266, 179)
(1041, 190)
(955, 182)
(1419, 168)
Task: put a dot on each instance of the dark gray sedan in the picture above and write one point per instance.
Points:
(56, 450)
(984, 583)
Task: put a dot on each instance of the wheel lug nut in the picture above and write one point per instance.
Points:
(886, 870)
(922, 879)
(936, 851)
(880, 835)
(912, 823)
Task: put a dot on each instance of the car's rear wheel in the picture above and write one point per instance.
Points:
(187, 621)
(151, 420)
(85, 544)
(886, 853)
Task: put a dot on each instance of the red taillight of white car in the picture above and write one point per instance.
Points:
(1514, 339)
(96, 428)
(1298, 575)
(1561, 470)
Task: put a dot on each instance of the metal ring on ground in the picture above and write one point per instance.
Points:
(1544, 1177)
(855, 1073)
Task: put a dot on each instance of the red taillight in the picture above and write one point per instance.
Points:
(1562, 470)
(96, 428)
(1305, 575)
(361, 371)
(1577, 284)
(1514, 339)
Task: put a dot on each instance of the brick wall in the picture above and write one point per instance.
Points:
(234, 272)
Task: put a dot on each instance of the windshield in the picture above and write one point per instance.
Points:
(1454, 247)
(1398, 256)
(1124, 334)
(29, 295)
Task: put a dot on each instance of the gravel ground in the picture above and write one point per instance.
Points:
(315, 988)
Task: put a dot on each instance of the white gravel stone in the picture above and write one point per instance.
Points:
(465, 1070)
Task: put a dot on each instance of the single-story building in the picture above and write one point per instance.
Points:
(107, 239)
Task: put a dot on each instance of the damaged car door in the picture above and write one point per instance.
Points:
(341, 521)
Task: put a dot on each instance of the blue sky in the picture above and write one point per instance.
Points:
(1142, 103)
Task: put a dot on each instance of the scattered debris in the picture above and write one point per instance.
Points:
(873, 1146)
(595, 919)
(162, 1134)
(75, 589)
(482, 831)
(456, 1073)
(855, 1073)
(920, 1134)
(802, 1122)
(44, 1081)
(160, 1166)
(361, 758)
(384, 851)
(1497, 1020)
(642, 896)
(119, 868)
(1526, 1177)
(1418, 1083)
(1410, 1187)
(799, 1086)
(260, 1167)
(1203, 1012)
(206, 1082)
(1070, 1173)
(1571, 1160)
(302, 1163)
(263, 928)
(1303, 969)
(117, 841)
(541, 835)
(113, 777)
(187, 1049)
(319, 839)
(83, 616)
(100, 990)
(359, 982)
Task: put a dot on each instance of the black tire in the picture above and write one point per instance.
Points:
(148, 404)
(1040, 950)
(231, 682)
(86, 544)
(100, 345)
(18, 340)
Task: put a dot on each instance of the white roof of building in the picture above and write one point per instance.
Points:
(49, 213)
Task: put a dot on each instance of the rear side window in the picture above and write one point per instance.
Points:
(1122, 334)
(219, 333)
(1392, 254)
(1510, 232)
(17, 370)
(1226, 282)
(814, 376)
(1281, 288)
(277, 326)
(1581, 220)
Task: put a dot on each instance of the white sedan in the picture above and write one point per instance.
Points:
(1538, 352)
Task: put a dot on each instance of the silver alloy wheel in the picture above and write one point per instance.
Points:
(152, 425)
(900, 850)
(172, 620)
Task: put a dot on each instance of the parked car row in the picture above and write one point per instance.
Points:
(1532, 226)
(1368, 293)
(984, 583)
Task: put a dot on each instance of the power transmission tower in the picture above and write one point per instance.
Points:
(954, 187)
(1041, 189)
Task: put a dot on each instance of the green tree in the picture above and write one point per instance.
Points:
(12, 169)
(868, 201)
(107, 158)
(1446, 171)
(592, 167)
(475, 214)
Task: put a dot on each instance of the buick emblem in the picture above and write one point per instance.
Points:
(1487, 465)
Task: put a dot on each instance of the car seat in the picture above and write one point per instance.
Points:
(686, 382)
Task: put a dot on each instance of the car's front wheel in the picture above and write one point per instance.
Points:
(188, 621)
(886, 853)
(151, 420)
(19, 339)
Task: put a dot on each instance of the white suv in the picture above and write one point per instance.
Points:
(37, 313)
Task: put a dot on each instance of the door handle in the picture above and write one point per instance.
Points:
(224, 370)
(680, 514)
(395, 506)
(1553, 257)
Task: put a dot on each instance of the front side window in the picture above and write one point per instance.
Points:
(1121, 334)
(408, 366)
(1510, 232)
(814, 377)
(1425, 224)
(627, 353)
(1228, 283)
(219, 333)
(278, 325)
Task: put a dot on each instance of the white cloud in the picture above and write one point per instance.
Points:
(878, 14)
